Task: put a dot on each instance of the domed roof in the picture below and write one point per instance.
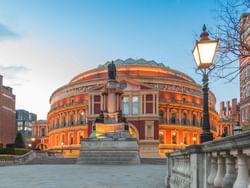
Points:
(131, 61)
(140, 64)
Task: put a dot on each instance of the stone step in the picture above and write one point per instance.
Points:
(108, 159)
(52, 161)
(107, 155)
(160, 161)
(109, 152)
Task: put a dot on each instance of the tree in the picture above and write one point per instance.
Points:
(232, 33)
(19, 143)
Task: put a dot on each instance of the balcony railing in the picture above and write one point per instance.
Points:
(219, 163)
(68, 104)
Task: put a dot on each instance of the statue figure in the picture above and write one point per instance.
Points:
(112, 71)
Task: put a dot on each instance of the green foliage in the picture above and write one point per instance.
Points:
(19, 143)
(13, 151)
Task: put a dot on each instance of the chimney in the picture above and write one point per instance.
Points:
(222, 107)
(228, 108)
(234, 106)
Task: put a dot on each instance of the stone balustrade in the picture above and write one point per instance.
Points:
(219, 163)
(18, 160)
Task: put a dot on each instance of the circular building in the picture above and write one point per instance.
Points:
(163, 107)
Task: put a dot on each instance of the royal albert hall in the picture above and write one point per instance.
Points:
(163, 107)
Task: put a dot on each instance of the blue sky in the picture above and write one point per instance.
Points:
(43, 43)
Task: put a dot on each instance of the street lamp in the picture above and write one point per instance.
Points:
(194, 140)
(204, 52)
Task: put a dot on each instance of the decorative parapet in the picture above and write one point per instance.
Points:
(218, 163)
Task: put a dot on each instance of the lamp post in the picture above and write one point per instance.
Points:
(204, 52)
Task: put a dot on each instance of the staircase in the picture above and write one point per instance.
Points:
(109, 152)
(155, 161)
(52, 161)
(44, 158)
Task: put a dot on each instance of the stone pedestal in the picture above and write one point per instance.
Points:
(149, 148)
(109, 152)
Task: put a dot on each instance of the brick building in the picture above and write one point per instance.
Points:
(245, 73)
(39, 138)
(229, 117)
(163, 107)
(7, 115)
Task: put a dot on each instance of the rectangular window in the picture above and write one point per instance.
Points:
(174, 138)
(43, 131)
(135, 105)
(125, 105)
(185, 138)
(161, 137)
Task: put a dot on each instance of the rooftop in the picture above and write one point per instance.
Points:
(131, 61)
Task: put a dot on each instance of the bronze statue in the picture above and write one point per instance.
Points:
(112, 71)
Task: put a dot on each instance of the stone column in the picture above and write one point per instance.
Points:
(140, 104)
(230, 175)
(242, 179)
(144, 104)
(153, 102)
(111, 102)
(168, 116)
(157, 104)
(102, 102)
(213, 170)
(218, 181)
(117, 102)
(89, 105)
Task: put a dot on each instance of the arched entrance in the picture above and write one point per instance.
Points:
(133, 131)
(42, 147)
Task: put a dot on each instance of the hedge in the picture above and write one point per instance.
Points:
(13, 151)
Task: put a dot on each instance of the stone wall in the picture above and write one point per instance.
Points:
(219, 163)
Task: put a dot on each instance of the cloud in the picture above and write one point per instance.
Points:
(6, 32)
(14, 74)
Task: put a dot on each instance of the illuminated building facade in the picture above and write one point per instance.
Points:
(39, 138)
(163, 107)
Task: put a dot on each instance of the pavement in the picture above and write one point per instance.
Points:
(83, 176)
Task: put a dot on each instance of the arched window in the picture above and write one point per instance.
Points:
(174, 137)
(173, 118)
(184, 118)
(82, 118)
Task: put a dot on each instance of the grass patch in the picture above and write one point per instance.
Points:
(5, 156)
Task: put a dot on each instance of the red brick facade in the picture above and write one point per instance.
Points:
(7, 115)
(245, 75)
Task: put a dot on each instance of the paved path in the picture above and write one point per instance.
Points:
(82, 176)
